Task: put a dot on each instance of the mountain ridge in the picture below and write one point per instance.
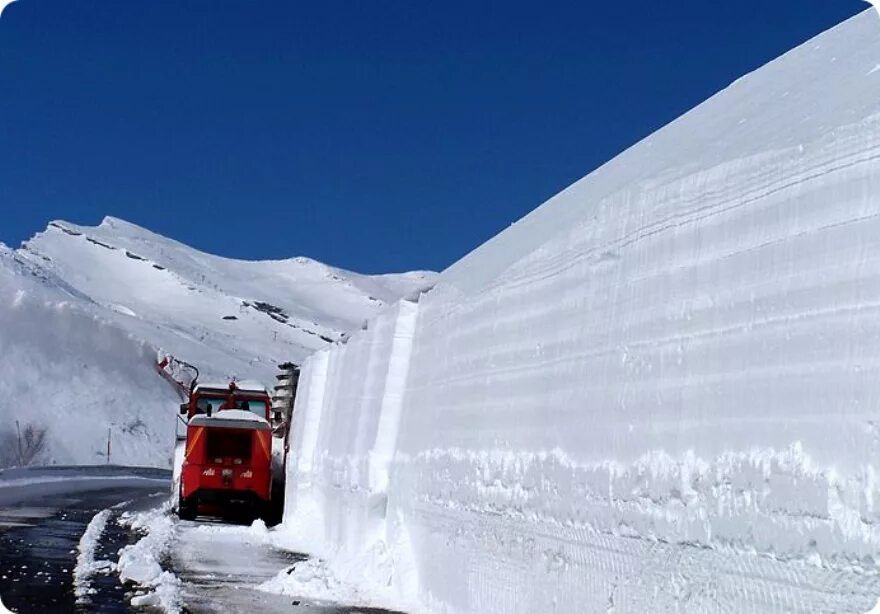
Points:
(86, 311)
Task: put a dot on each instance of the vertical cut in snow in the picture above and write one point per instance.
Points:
(86, 564)
(657, 392)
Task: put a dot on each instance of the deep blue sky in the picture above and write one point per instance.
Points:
(375, 135)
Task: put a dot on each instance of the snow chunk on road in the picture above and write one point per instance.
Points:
(358, 581)
(312, 579)
(86, 565)
(139, 562)
(255, 533)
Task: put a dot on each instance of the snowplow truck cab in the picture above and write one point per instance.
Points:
(227, 465)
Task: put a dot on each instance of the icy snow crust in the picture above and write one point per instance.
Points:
(84, 311)
(656, 393)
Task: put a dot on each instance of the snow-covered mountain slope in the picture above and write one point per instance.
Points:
(66, 369)
(659, 392)
(85, 310)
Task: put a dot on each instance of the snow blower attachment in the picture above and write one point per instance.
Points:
(282, 410)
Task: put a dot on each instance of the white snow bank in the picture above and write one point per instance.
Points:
(86, 564)
(140, 563)
(344, 437)
(313, 580)
(657, 392)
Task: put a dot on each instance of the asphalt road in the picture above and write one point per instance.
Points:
(38, 549)
(41, 524)
(220, 572)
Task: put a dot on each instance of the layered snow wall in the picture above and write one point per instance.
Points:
(659, 392)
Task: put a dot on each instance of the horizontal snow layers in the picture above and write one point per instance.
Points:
(658, 392)
(731, 315)
(676, 409)
(501, 532)
(345, 423)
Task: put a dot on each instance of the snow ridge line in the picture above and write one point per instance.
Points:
(86, 565)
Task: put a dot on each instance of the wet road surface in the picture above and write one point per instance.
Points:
(40, 529)
(38, 549)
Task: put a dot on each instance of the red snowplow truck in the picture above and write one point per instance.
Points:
(227, 464)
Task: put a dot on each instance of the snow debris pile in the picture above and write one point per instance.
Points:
(657, 392)
(85, 311)
(140, 563)
(86, 564)
(311, 580)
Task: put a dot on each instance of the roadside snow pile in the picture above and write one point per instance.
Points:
(655, 393)
(255, 534)
(86, 564)
(140, 563)
(85, 311)
(312, 580)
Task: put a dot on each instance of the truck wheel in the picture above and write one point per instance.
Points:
(272, 512)
(186, 510)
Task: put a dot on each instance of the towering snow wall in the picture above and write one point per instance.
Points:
(659, 392)
(347, 414)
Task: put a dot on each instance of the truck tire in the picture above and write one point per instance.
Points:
(186, 510)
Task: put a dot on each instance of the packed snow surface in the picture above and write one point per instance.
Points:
(84, 312)
(657, 392)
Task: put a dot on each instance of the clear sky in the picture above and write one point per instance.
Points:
(377, 136)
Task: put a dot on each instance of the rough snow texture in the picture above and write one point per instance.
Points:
(311, 580)
(657, 392)
(84, 311)
(86, 564)
(140, 563)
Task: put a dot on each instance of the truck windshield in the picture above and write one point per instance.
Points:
(203, 402)
(254, 406)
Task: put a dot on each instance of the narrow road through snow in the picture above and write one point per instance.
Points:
(222, 565)
(47, 523)
(38, 549)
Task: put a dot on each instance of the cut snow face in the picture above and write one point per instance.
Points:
(84, 312)
(658, 392)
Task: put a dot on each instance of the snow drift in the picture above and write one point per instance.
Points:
(84, 312)
(657, 392)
